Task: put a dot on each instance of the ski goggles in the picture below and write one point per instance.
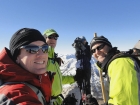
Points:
(33, 49)
(98, 48)
(52, 37)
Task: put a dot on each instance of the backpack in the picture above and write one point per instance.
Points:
(39, 94)
(36, 90)
(124, 54)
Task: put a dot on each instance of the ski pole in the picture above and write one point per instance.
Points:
(102, 86)
(101, 80)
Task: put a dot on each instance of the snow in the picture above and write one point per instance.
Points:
(69, 68)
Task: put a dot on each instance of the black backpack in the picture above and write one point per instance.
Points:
(124, 54)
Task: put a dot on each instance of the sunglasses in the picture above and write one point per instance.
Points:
(52, 37)
(98, 48)
(33, 49)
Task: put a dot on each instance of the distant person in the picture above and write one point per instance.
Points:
(136, 49)
(23, 70)
(122, 72)
(83, 70)
(83, 57)
(54, 64)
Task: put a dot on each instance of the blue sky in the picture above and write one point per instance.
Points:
(118, 20)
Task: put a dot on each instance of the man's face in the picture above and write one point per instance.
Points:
(136, 51)
(52, 40)
(100, 51)
(33, 62)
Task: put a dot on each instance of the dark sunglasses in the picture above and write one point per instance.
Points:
(52, 37)
(98, 48)
(33, 49)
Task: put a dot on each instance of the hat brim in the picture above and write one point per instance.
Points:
(53, 33)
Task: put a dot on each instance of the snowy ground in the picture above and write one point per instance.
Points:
(69, 67)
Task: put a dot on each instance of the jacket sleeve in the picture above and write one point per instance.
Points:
(67, 80)
(14, 94)
(123, 82)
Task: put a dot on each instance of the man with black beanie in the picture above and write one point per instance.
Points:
(122, 72)
(23, 37)
(23, 70)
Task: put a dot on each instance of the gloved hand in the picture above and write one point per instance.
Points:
(91, 100)
(57, 101)
(70, 100)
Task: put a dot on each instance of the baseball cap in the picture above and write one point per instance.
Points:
(50, 32)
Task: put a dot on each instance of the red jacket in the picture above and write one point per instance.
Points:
(19, 93)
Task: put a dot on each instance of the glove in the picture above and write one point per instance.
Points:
(70, 100)
(91, 100)
(57, 101)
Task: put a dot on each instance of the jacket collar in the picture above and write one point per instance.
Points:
(110, 54)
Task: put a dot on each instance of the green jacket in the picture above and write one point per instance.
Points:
(58, 78)
(124, 75)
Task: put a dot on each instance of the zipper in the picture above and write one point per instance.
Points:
(40, 78)
(59, 77)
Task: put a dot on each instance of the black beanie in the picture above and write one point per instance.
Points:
(23, 37)
(100, 39)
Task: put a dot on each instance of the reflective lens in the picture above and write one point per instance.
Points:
(34, 49)
(98, 48)
(52, 37)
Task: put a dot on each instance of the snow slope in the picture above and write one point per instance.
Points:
(69, 67)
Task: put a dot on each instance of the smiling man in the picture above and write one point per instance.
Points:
(122, 71)
(23, 70)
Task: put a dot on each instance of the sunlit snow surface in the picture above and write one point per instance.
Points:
(69, 67)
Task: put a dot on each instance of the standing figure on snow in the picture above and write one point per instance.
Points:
(83, 65)
(54, 63)
(25, 80)
(83, 72)
(123, 72)
(136, 49)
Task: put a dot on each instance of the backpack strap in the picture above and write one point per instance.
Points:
(56, 59)
(119, 55)
(109, 56)
(39, 94)
(51, 75)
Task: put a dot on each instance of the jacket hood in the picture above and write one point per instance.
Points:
(110, 54)
(10, 71)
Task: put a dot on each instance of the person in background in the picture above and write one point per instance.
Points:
(54, 63)
(123, 72)
(83, 57)
(136, 49)
(83, 70)
(23, 69)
